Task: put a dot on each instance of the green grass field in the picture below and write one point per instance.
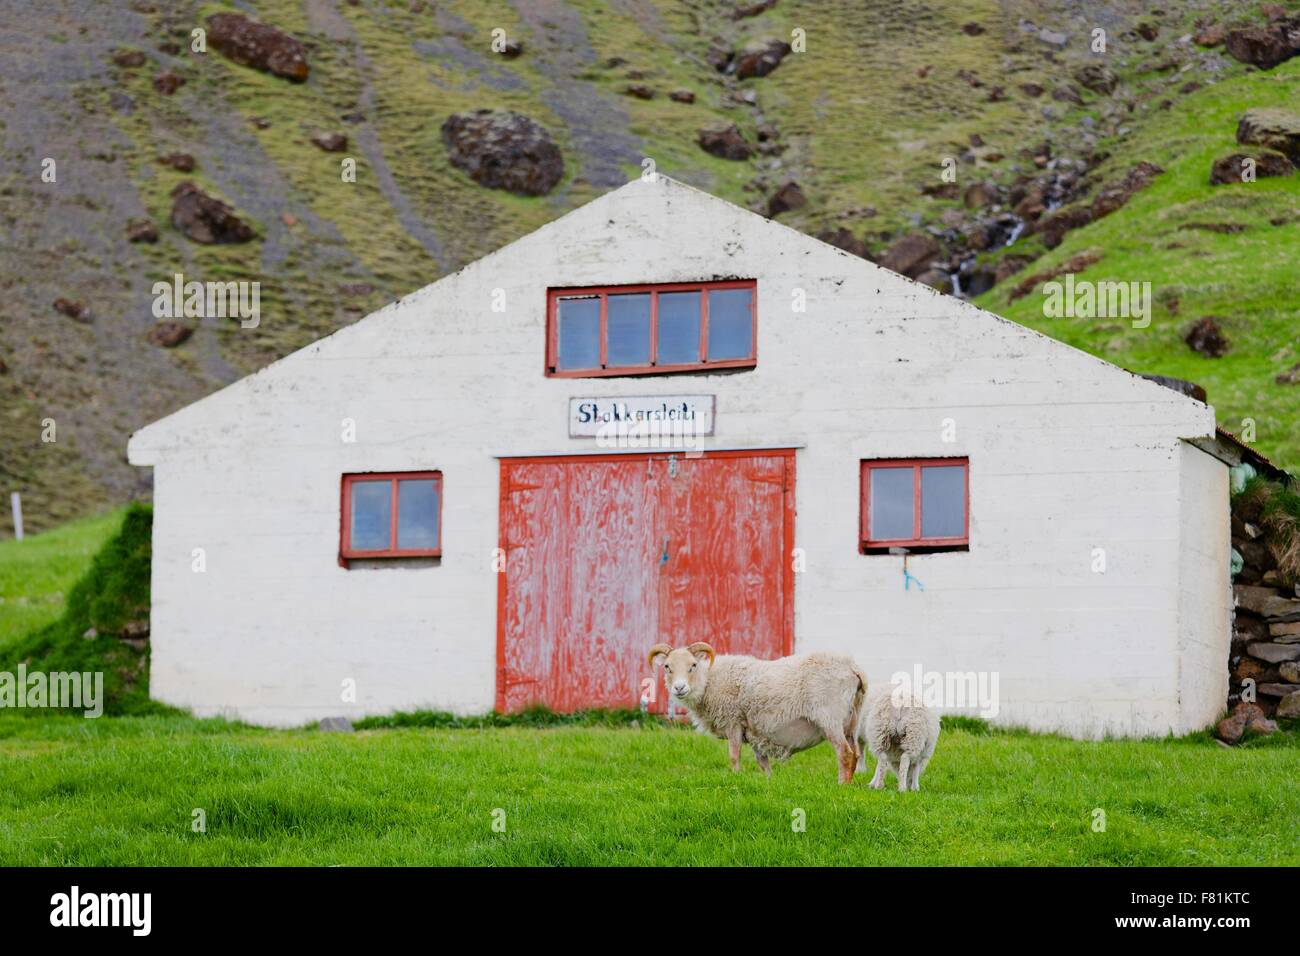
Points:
(422, 789)
(124, 791)
(37, 573)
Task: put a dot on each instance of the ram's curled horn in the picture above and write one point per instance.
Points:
(657, 650)
(701, 646)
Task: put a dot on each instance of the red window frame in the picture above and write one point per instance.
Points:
(346, 551)
(553, 297)
(867, 543)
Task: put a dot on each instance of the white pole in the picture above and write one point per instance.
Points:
(17, 503)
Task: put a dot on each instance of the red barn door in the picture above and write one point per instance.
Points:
(607, 555)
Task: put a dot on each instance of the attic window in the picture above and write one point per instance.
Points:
(649, 329)
(392, 515)
(922, 504)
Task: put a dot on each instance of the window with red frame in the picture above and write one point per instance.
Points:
(647, 329)
(921, 504)
(392, 515)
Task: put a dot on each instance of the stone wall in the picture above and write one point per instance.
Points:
(1264, 662)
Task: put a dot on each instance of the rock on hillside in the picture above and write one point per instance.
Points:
(262, 47)
(760, 58)
(1274, 129)
(206, 219)
(1233, 169)
(1265, 46)
(503, 150)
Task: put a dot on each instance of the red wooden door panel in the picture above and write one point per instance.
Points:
(587, 588)
(580, 582)
(723, 581)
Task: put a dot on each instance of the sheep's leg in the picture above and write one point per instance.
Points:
(917, 770)
(904, 771)
(764, 764)
(847, 753)
(733, 744)
(848, 762)
(851, 734)
(862, 757)
(878, 781)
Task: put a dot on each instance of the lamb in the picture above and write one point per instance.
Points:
(778, 707)
(901, 732)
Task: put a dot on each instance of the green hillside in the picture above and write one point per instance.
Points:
(862, 115)
(102, 623)
(1167, 235)
(37, 573)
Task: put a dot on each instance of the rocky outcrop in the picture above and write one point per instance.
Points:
(74, 310)
(981, 194)
(1210, 36)
(752, 9)
(1273, 129)
(1097, 78)
(128, 59)
(1076, 263)
(503, 150)
(725, 142)
(1112, 197)
(760, 57)
(331, 142)
(1067, 94)
(168, 82)
(1265, 46)
(258, 45)
(1116, 194)
(1290, 377)
(911, 255)
(169, 334)
(788, 196)
(1206, 337)
(203, 218)
(1238, 168)
(181, 162)
(141, 230)
(1009, 265)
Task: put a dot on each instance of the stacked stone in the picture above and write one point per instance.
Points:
(1264, 663)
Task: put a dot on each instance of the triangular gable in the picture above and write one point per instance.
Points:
(647, 207)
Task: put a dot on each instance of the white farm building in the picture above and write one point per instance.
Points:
(441, 506)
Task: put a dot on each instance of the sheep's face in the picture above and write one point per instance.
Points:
(686, 669)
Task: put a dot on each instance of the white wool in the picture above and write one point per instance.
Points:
(780, 707)
(902, 735)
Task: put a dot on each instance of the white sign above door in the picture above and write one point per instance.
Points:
(660, 416)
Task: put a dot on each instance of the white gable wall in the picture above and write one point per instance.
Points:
(1205, 598)
(1067, 453)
